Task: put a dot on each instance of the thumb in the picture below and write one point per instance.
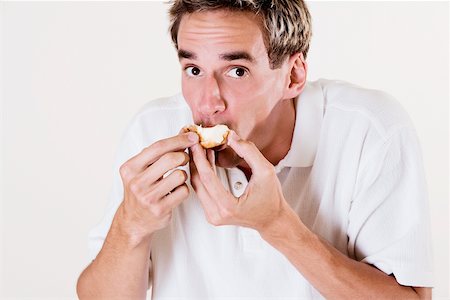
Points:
(249, 152)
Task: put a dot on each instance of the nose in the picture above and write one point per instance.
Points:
(211, 102)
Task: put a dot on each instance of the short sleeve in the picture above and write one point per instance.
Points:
(389, 222)
(128, 147)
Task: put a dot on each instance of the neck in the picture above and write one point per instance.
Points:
(276, 134)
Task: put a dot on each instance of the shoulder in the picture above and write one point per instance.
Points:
(364, 107)
(163, 107)
(159, 118)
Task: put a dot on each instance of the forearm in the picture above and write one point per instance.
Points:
(333, 274)
(120, 270)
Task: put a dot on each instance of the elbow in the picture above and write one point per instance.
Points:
(82, 286)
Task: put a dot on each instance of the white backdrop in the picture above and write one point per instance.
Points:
(73, 74)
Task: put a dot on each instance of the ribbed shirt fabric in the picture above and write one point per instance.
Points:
(354, 175)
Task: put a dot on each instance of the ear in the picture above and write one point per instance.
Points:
(297, 76)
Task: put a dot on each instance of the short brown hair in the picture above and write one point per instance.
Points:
(286, 23)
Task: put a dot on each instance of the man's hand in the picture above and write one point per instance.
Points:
(148, 197)
(262, 201)
(121, 269)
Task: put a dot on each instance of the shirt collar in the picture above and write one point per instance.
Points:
(309, 108)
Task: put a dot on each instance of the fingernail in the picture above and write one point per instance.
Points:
(233, 136)
(192, 136)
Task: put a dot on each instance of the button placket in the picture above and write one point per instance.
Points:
(237, 181)
(249, 238)
(237, 185)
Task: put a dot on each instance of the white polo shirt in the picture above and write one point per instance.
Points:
(354, 175)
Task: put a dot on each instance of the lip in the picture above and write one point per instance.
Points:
(207, 124)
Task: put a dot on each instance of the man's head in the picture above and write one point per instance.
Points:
(285, 24)
(242, 61)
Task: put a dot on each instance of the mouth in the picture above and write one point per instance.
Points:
(209, 133)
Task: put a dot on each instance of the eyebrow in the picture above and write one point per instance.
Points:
(229, 56)
(186, 54)
(237, 55)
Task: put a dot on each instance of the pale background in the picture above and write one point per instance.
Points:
(73, 75)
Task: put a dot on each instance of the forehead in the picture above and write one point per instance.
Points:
(220, 31)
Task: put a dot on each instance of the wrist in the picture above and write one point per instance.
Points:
(125, 234)
(284, 229)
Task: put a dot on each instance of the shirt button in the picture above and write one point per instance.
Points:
(237, 185)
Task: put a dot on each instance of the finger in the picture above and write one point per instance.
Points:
(173, 199)
(249, 152)
(206, 173)
(195, 179)
(192, 168)
(210, 154)
(152, 153)
(167, 162)
(204, 197)
(202, 164)
(167, 185)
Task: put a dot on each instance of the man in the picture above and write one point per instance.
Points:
(320, 192)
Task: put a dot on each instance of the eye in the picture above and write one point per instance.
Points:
(237, 72)
(192, 71)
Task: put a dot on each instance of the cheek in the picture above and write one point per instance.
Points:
(188, 91)
(265, 84)
(240, 89)
(253, 103)
(190, 94)
(243, 114)
(255, 98)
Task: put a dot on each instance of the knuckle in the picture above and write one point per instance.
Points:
(268, 171)
(179, 158)
(143, 203)
(157, 146)
(182, 192)
(171, 158)
(214, 220)
(135, 187)
(157, 211)
(226, 213)
(124, 171)
(145, 149)
(250, 144)
(206, 178)
(151, 196)
(247, 145)
(206, 175)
